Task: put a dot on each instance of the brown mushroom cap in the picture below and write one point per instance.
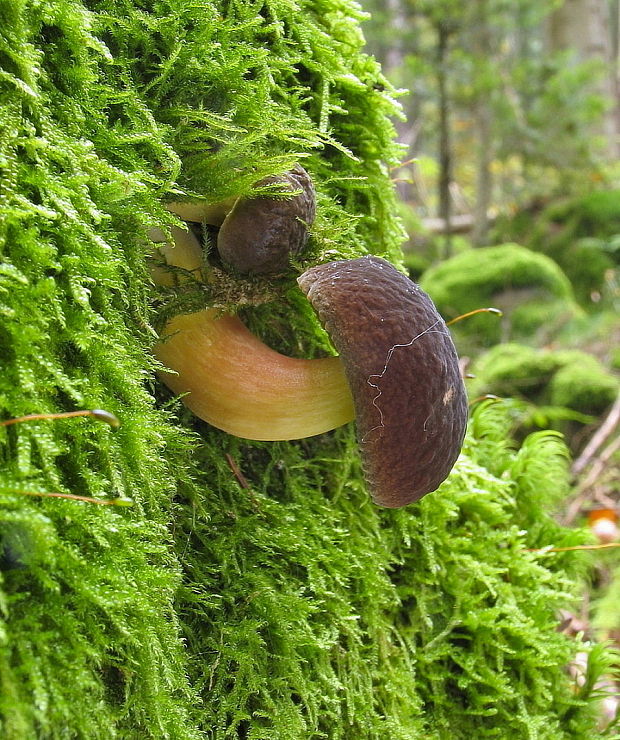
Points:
(260, 235)
(403, 371)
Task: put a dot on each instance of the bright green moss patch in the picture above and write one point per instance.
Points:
(529, 288)
(584, 385)
(568, 378)
(273, 601)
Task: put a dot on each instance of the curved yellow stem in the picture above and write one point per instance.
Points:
(184, 252)
(202, 212)
(238, 384)
(231, 379)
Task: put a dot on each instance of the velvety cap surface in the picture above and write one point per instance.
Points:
(401, 364)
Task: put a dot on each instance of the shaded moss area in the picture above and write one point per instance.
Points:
(252, 590)
(531, 290)
(581, 234)
(313, 614)
(568, 378)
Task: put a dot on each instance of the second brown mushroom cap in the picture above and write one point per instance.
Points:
(261, 234)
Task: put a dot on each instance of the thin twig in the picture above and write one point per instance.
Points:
(241, 479)
(100, 414)
(74, 497)
(583, 490)
(599, 463)
(604, 431)
(606, 546)
(596, 464)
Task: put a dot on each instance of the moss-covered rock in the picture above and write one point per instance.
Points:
(565, 378)
(533, 293)
(581, 234)
(583, 384)
(252, 590)
(513, 369)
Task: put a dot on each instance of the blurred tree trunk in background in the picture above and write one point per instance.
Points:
(397, 23)
(483, 117)
(588, 29)
(445, 138)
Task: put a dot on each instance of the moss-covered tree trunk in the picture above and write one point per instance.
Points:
(280, 605)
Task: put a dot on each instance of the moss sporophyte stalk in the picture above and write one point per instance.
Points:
(289, 607)
(100, 414)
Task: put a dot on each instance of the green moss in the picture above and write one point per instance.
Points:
(282, 605)
(513, 369)
(529, 288)
(565, 378)
(584, 385)
(311, 609)
(597, 213)
(579, 233)
(607, 609)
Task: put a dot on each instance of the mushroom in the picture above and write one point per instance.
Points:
(183, 252)
(403, 371)
(604, 525)
(202, 212)
(259, 235)
(397, 373)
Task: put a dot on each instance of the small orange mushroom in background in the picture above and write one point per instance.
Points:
(604, 524)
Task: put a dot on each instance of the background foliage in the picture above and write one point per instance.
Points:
(506, 103)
